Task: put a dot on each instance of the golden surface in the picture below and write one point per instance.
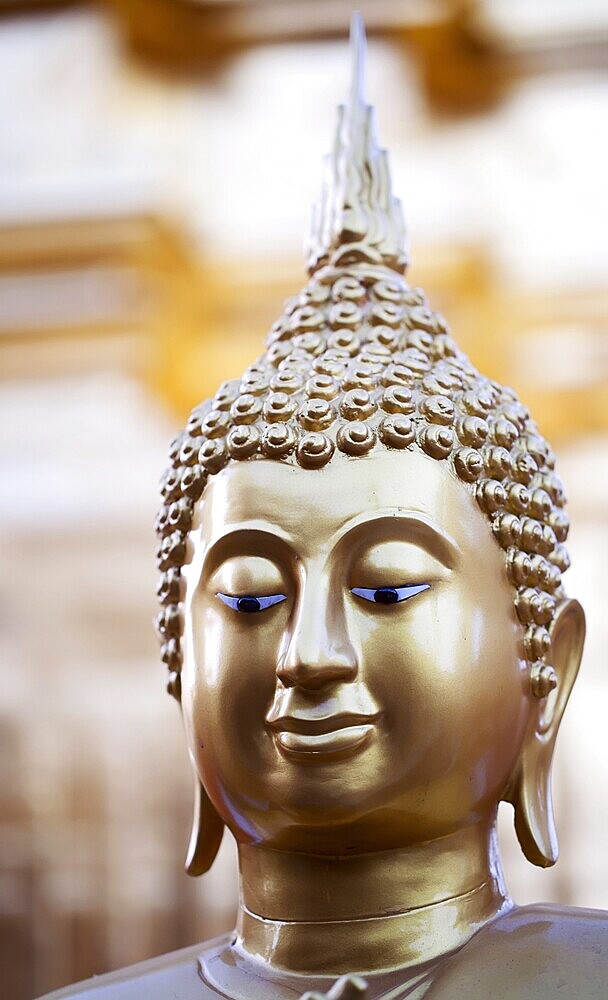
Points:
(357, 747)
(387, 799)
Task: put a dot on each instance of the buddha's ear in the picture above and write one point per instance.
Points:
(531, 790)
(206, 835)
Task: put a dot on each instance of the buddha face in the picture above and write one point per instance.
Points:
(353, 666)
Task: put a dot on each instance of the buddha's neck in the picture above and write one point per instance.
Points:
(325, 915)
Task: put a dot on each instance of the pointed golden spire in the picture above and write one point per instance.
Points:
(357, 216)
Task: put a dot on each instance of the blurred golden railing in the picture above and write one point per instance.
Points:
(135, 293)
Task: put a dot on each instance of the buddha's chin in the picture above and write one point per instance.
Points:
(329, 789)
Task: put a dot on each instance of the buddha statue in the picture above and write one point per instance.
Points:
(364, 623)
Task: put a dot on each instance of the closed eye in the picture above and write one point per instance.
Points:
(389, 595)
(250, 604)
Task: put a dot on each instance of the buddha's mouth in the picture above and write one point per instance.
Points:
(314, 740)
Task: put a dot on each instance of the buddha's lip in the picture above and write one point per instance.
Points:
(308, 726)
(323, 747)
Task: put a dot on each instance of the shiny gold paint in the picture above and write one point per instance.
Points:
(440, 677)
(379, 853)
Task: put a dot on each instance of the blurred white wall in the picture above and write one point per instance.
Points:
(96, 782)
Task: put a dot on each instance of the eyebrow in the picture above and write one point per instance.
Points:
(252, 542)
(421, 531)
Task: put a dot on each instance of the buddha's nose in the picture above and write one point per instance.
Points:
(318, 651)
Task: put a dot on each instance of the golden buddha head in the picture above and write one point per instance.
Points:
(362, 549)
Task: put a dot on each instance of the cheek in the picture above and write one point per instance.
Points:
(230, 666)
(448, 674)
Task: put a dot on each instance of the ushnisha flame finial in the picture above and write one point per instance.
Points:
(357, 217)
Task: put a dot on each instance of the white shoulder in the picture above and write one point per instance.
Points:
(175, 975)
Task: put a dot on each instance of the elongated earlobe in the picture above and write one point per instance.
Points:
(206, 835)
(531, 790)
(533, 803)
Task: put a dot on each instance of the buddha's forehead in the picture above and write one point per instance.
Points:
(309, 507)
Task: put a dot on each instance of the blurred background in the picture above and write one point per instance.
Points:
(157, 163)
